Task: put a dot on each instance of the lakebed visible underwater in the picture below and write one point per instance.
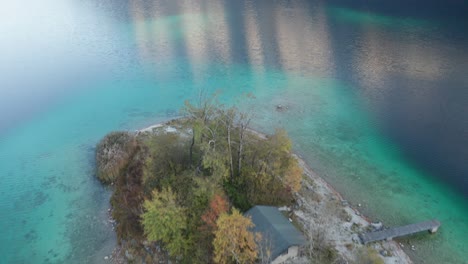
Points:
(376, 97)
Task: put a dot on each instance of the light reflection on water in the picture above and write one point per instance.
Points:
(370, 94)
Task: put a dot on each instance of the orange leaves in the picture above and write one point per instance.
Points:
(293, 177)
(218, 205)
(233, 240)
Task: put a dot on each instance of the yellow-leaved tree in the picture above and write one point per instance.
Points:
(293, 177)
(165, 221)
(233, 241)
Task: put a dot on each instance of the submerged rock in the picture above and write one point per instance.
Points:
(281, 108)
(377, 225)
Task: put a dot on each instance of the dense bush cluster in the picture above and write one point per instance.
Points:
(172, 188)
(113, 154)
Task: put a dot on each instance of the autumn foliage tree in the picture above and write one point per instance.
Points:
(233, 241)
(218, 205)
(127, 199)
(293, 177)
(165, 221)
(271, 174)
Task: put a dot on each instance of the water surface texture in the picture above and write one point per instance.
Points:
(377, 97)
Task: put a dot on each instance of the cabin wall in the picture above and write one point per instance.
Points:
(291, 253)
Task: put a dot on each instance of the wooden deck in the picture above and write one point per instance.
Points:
(391, 233)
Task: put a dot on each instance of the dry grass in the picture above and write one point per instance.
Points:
(368, 255)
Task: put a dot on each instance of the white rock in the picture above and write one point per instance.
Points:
(170, 129)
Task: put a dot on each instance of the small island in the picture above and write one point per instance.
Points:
(205, 188)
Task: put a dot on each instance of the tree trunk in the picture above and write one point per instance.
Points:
(191, 146)
(239, 152)
(230, 152)
(244, 123)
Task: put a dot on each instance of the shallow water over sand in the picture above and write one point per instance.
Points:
(376, 102)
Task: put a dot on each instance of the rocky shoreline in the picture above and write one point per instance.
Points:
(343, 222)
(318, 201)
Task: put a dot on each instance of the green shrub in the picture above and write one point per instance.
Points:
(113, 153)
(237, 196)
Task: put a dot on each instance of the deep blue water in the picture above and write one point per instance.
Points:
(377, 94)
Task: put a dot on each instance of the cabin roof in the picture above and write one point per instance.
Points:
(277, 232)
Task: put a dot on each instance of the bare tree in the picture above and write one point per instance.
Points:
(200, 114)
(243, 123)
(229, 120)
(316, 238)
(265, 247)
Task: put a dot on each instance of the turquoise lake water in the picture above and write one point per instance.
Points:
(377, 99)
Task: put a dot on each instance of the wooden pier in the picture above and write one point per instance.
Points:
(391, 233)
